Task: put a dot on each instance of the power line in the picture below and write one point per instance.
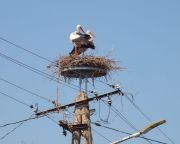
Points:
(72, 86)
(13, 123)
(97, 124)
(140, 110)
(17, 122)
(29, 51)
(26, 66)
(39, 56)
(126, 120)
(28, 91)
(24, 49)
(50, 118)
(23, 103)
(20, 123)
(120, 115)
(148, 118)
(101, 135)
(3, 137)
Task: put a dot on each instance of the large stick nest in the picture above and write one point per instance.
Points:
(68, 62)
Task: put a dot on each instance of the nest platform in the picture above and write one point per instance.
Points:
(83, 66)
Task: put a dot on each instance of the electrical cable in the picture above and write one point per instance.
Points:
(97, 124)
(52, 119)
(147, 117)
(115, 110)
(101, 135)
(107, 118)
(38, 71)
(28, 91)
(22, 48)
(29, 51)
(26, 66)
(14, 99)
(123, 118)
(14, 123)
(17, 122)
(8, 133)
(37, 55)
(140, 110)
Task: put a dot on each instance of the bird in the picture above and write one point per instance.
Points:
(89, 43)
(77, 34)
(81, 40)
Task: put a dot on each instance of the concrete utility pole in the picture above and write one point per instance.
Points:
(82, 121)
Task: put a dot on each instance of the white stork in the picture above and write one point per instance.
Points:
(81, 40)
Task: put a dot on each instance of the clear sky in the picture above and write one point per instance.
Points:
(142, 36)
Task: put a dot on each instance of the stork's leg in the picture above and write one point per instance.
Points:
(75, 48)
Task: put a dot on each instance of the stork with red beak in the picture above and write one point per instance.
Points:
(81, 40)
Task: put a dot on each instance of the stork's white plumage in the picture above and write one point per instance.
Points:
(77, 34)
(81, 40)
(92, 36)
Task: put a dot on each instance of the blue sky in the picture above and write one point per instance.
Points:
(143, 36)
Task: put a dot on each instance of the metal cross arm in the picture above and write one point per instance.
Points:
(97, 97)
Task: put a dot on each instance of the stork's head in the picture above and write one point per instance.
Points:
(90, 33)
(79, 29)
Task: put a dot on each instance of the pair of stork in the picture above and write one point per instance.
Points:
(81, 40)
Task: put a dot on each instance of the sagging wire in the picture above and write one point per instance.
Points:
(50, 118)
(8, 133)
(120, 115)
(21, 122)
(28, 91)
(34, 108)
(39, 72)
(140, 110)
(147, 117)
(23, 103)
(106, 120)
(37, 55)
(131, 100)
(24, 49)
(102, 135)
(57, 101)
(29, 51)
(109, 103)
(99, 125)
(18, 123)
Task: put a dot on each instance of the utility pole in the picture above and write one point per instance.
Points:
(82, 121)
(81, 125)
(81, 68)
(63, 107)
